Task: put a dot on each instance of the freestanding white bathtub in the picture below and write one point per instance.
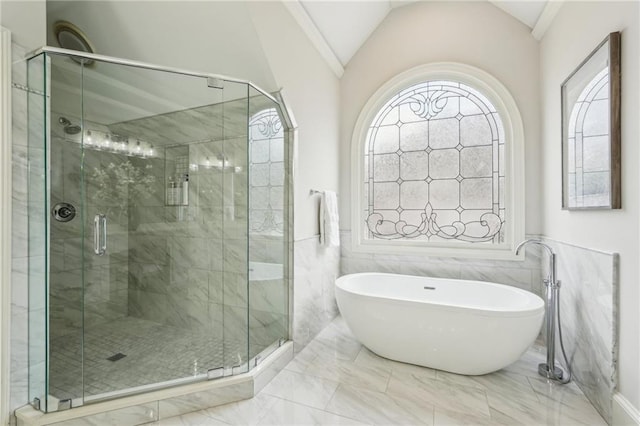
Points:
(465, 327)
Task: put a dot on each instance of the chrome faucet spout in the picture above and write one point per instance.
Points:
(552, 257)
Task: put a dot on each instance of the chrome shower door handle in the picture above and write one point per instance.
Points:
(100, 234)
(103, 246)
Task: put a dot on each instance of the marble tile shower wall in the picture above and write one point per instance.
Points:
(19, 238)
(526, 275)
(588, 306)
(187, 264)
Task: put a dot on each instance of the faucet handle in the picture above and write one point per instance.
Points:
(547, 282)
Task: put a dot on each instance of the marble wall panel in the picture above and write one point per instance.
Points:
(315, 271)
(525, 274)
(588, 307)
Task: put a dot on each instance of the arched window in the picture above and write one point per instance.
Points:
(436, 150)
(266, 160)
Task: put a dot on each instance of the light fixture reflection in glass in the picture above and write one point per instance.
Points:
(104, 141)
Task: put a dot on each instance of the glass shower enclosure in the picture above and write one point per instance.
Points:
(159, 227)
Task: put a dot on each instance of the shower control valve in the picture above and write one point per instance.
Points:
(63, 212)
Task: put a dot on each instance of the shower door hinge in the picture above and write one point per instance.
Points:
(239, 369)
(281, 342)
(36, 403)
(215, 373)
(215, 83)
(64, 404)
(257, 360)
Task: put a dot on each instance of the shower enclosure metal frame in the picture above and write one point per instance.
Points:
(213, 79)
(290, 134)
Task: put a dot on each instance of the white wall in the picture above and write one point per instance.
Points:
(577, 29)
(212, 37)
(475, 33)
(312, 90)
(26, 21)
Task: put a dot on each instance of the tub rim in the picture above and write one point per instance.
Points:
(485, 312)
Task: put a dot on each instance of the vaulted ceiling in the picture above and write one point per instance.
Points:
(339, 28)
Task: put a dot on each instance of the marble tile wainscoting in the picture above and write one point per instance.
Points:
(20, 252)
(588, 308)
(526, 275)
(314, 306)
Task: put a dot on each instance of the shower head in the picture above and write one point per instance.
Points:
(69, 129)
(72, 130)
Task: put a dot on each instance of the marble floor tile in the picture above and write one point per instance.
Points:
(530, 410)
(500, 381)
(301, 388)
(289, 413)
(465, 399)
(379, 408)
(415, 371)
(373, 378)
(548, 389)
(527, 365)
(337, 345)
(302, 360)
(451, 418)
(567, 399)
(198, 418)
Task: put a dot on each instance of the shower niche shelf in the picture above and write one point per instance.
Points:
(177, 176)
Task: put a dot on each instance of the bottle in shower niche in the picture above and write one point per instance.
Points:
(185, 190)
(173, 192)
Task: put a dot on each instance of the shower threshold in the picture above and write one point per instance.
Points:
(168, 402)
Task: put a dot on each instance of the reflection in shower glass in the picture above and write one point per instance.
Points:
(268, 264)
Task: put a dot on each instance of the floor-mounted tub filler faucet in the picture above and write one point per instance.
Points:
(552, 285)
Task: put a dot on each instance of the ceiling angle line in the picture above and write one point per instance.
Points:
(303, 19)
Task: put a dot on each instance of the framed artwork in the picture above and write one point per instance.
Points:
(591, 130)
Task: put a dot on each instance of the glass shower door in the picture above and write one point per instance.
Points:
(159, 207)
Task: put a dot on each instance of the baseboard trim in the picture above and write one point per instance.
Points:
(624, 413)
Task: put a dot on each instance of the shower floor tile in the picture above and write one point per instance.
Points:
(153, 353)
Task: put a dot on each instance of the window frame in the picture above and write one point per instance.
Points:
(509, 113)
